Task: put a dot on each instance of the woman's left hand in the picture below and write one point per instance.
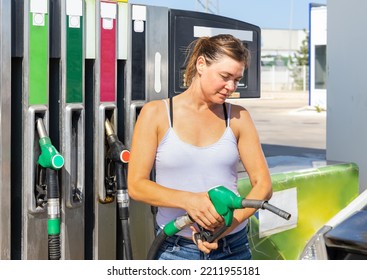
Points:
(203, 246)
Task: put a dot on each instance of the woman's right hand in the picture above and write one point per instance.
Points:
(202, 211)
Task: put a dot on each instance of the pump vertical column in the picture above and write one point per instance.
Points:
(101, 63)
(105, 108)
(123, 241)
(5, 127)
(147, 79)
(72, 128)
(34, 242)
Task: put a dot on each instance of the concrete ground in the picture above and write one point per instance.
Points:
(292, 133)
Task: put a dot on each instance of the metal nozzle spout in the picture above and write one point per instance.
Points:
(109, 128)
(41, 128)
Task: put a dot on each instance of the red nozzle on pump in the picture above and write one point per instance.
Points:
(125, 156)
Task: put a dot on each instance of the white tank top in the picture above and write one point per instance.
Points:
(183, 166)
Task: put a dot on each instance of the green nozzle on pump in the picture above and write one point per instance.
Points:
(51, 160)
(49, 157)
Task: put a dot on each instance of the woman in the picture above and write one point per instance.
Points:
(195, 140)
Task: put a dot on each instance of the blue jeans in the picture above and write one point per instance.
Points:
(231, 247)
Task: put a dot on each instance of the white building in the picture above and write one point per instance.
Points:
(317, 56)
(278, 48)
(281, 42)
(347, 84)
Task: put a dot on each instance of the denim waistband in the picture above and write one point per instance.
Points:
(232, 246)
(232, 237)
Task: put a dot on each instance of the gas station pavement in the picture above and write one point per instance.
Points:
(292, 133)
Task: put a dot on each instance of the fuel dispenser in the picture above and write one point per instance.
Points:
(155, 70)
(35, 217)
(101, 63)
(124, 245)
(146, 79)
(67, 86)
(5, 127)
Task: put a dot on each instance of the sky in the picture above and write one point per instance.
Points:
(267, 14)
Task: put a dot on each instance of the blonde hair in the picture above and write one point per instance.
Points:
(213, 49)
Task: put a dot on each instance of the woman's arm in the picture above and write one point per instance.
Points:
(253, 159)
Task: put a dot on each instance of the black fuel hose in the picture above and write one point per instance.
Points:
(120, 156)
(53, 212)
(157, 242)
(123, 208)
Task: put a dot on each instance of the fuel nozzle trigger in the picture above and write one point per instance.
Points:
(209, 236)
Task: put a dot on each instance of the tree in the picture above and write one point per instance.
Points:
(301, 55)
(298, 63)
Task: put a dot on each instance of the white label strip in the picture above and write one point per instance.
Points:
(108, 10)
(74, 7)
(139, 13)
(38, 6)
(243, 35)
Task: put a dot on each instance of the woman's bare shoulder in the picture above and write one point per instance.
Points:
(153, 113)
(153, 107)
(239, 112)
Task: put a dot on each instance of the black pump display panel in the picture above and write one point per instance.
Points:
(186, 26)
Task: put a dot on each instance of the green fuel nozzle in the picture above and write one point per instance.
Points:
(225, 202)
(51, 160)
(49, 157)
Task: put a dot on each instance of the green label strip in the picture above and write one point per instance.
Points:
(38, 63)
(74, 63)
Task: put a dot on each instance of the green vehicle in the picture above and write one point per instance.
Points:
(313, 196)
(343, 237)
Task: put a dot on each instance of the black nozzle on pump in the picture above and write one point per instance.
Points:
(117, 150)
(119, 155)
